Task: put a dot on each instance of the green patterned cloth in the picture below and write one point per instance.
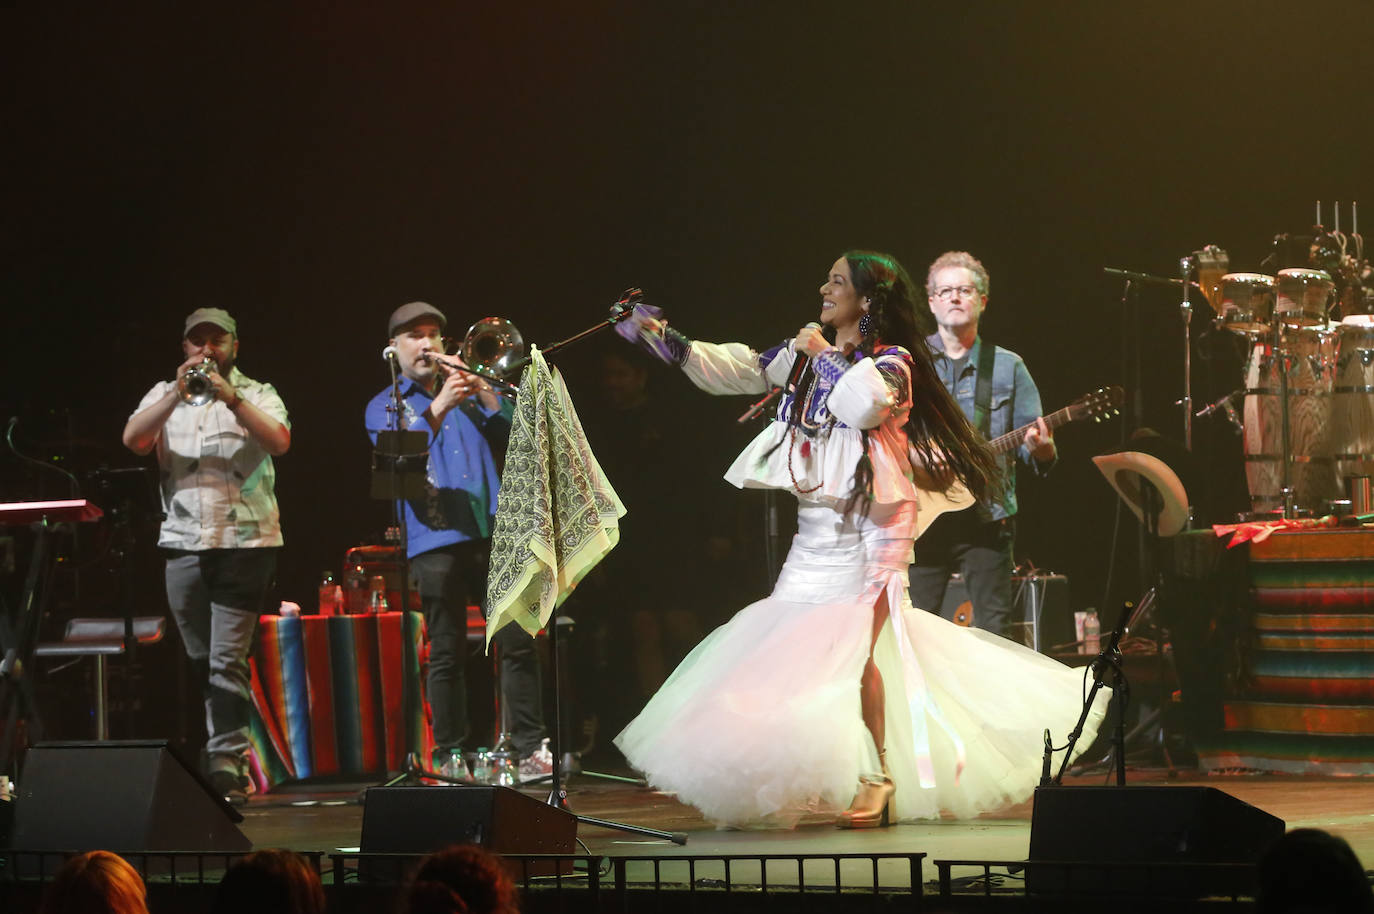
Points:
(556, 515)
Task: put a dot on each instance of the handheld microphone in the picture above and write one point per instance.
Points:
(389, 353)
(800, 362)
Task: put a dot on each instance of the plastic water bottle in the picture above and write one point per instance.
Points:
(376, 602)
(355, 590)
(1092, 633)
(454, 766)
(329, 594)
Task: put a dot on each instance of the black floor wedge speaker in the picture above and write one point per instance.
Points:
(124, 796)
(1094, 827)
(417, 820)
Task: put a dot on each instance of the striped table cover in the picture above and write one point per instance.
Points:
(1306, 705)
(328, 696)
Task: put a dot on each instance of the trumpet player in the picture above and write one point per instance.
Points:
(448, 530)
(215, 431)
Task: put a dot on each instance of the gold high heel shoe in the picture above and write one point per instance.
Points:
(872, 800)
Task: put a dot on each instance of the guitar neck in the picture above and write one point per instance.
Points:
(1004, 444)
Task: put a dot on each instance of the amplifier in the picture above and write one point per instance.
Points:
(361, 564)
(1040, 613)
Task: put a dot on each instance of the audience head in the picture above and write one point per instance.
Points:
(96, 882)
(270, 882)
(1313, 872)
(462, 879)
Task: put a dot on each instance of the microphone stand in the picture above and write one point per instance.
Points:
(1185, 310)
(1110, 657)
(558, 792)
(399, 473)
(619, 312)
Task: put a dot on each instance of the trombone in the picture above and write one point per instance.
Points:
(492, 350)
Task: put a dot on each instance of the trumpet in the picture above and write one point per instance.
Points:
(196, 387)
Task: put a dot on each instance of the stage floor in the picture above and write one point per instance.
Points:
(328, 818)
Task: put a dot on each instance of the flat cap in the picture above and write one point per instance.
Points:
(408, 314)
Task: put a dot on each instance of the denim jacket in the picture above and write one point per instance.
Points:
(1015, 402)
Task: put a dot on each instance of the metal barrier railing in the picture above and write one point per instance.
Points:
(606, 883)
(1224, 882)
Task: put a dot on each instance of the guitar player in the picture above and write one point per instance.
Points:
(997, 394)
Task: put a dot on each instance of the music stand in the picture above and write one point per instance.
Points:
(399, 463)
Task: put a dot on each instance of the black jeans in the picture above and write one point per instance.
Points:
(444, 577)
(979, 550)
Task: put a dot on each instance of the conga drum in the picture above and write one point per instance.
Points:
(1352, 409)
(1303, 297)
(1309, 363)
(1247, 303)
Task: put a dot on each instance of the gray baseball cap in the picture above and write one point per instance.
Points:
(410, 313)
(216, 316)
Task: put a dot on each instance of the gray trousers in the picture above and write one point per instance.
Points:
(215, 596)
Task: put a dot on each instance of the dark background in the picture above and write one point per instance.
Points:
(311, 167)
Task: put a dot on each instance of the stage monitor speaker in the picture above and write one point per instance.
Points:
(1039, 597)
(1144, 824)
(127, 795)
(417, 820)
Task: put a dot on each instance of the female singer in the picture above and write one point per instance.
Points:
(834, 679)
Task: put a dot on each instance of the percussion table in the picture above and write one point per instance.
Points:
(328, 696)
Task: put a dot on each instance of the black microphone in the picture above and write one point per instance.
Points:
(800, 362)
(1045, 779)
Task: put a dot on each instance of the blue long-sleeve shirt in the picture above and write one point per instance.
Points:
(461, 481)
(1015, 402)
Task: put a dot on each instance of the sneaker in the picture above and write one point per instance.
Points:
(230, 786)
(538, 764)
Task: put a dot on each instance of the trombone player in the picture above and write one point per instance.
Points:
(216, 431)
(448, 529)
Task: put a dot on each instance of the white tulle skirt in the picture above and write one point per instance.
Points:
(761, 723)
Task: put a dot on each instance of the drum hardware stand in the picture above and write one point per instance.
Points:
(1227, 405)
(1286, 447)
(1210, 263)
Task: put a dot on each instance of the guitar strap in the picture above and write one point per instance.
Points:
(982, 391)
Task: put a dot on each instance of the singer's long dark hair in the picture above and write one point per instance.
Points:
(950, 448)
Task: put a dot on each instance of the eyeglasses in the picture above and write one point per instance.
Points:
(945, 293)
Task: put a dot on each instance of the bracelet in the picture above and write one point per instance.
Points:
(238, 401)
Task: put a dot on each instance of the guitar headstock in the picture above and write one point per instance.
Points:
(1102, 403)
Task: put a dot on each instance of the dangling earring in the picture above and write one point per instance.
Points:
(865, 323)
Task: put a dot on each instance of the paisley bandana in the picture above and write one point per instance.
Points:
(556, 515)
